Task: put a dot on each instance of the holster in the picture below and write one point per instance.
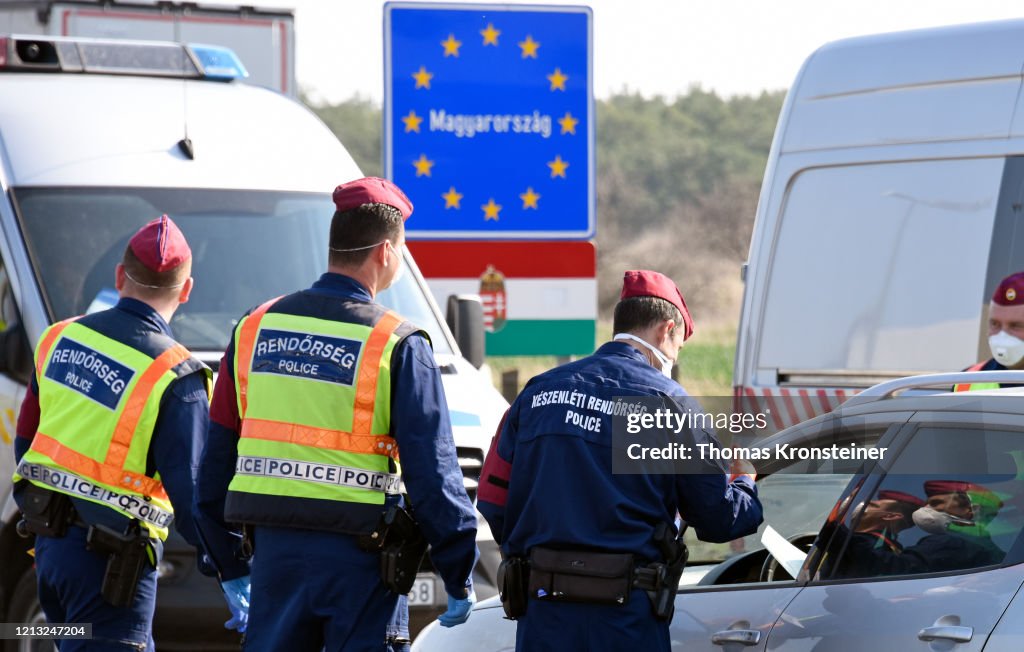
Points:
(401, 545)
(128, 553)
(513, 583)
(661, 580)
(46, 513)
(580, 576)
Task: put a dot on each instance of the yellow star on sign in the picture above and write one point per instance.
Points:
(557, 80)
(529, 47)
(452, 198)
(558, 167)
(491, 210)
(451, 46)
(567, 122)
(412, 122)
(490, 37)
(422, 77)
(529, 199)
(423, 165)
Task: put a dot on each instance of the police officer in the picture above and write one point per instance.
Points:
(107, 433)
(548, 488)
(1005, 331)
(318, 393)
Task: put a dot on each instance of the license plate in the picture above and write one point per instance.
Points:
(422, 594)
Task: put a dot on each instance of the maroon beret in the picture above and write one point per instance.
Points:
(160, 245)
(976, 492)
(889, 494)
(645, 283)
(1010, 291)
(371, 190)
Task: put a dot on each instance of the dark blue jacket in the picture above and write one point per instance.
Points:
(561, 491)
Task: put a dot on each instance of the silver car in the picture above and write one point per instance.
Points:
(918, 550)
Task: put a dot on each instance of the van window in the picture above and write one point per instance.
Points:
(875, 264)
(246, 246)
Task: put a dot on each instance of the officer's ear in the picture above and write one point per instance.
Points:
(119, 277)
(186, 290)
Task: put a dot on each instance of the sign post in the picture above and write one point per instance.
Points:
(489, 128)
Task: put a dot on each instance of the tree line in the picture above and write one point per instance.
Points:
(677, 186)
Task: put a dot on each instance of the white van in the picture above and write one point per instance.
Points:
(889, 212)
(96, 138)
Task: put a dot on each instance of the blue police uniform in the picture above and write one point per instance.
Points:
(70, 577)
(314, 588)
(559, 491)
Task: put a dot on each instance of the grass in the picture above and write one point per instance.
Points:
(705, 363)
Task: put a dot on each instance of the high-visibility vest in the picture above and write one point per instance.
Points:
(99, 400)
(973, 387)
(314, 399)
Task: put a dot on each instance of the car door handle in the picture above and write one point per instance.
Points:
(741, 636)
(954, 633)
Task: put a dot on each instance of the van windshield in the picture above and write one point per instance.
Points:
(247, 246)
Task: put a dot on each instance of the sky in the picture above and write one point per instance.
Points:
(654, 47)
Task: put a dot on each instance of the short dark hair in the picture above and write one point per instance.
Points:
(362, 227)
(163, 284)
(637, 314)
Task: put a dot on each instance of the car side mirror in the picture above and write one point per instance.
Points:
(465, 317)
(16, 361)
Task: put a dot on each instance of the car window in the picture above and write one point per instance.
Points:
(951, 501)
(796, 497)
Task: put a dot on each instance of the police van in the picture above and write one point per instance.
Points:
(98, 137)
(890, 210)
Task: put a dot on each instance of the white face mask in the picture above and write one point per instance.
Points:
(666, 364)
(1006, 349)
(933, 521)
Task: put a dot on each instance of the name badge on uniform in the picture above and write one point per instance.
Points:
(316, 357)
(90, 373)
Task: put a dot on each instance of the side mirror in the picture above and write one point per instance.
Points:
(16, 360)
(465, 317)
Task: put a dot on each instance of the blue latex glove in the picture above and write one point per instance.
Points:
(458, 610)
(236, 592)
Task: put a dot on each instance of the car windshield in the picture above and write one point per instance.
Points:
(247, 246)
(794, 504)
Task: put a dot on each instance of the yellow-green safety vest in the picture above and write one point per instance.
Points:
(99, 400)
(314, 399)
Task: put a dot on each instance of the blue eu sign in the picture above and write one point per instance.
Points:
(489, 119)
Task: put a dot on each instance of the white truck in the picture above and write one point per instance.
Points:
(889, 212)
(263, 38)
(96, 138)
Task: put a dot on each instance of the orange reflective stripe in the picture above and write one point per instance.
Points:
(124, 431)
(98, 471)
(369, 369)
(243, 355)
(44, 347)
(337, 440)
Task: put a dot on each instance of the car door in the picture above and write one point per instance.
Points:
(736, 604)
(947, 564)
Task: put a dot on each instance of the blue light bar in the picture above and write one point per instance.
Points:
(218, 62)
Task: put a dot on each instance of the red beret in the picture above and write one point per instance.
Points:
(1010, 291)
(160, 245)
(889, 494)
(371, 190)
(645, 283)
(976, 492)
